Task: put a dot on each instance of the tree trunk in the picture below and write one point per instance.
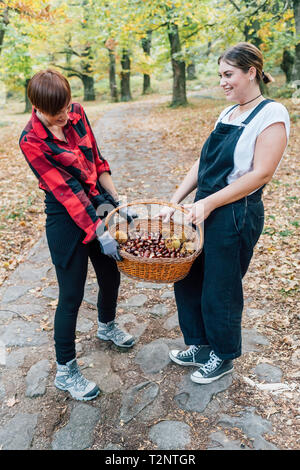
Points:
(69, 51)
(4, 20)
(2, 31)
(125, 77)
(112, 77)
(191, 71)
(296, 71)
(250, 32)
(146, 45)
(146, 84)
(287, 64)
(28, 105)
(86, 74)
(178, 67)
(208, 50)
(88, 87)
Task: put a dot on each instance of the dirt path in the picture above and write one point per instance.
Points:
(147, 402)
(137, 155)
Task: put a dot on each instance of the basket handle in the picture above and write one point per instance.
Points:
(150, 201)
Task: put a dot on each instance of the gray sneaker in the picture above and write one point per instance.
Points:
(111, 332)
(69, 378)
(192, 356)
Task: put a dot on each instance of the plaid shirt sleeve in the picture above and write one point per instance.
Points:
(101, 164)
(64, 187)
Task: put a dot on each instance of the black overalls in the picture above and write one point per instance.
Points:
(210, 298)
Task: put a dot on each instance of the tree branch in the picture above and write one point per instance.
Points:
(184, 38)
(153, 29)
(68, 51)
(235, 5)
(4, 15)
(259, 8)
(72, 72)
(44, 14)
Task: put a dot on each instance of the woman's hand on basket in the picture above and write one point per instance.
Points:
(128, 214)
(199, 211)
(109, 246)
(166, 213)
(125, 212)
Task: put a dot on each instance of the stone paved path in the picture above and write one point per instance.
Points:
(146, 402)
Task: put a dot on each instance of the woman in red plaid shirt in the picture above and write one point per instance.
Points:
(60, 148)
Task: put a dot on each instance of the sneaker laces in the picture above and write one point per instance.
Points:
(190, 351)
(119, 334)
(79, 379)
(212, 363)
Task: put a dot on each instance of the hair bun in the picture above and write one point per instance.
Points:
(267, 77)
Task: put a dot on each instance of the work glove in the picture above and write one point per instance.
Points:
(109, 246)
(109, 203)
(127, 213)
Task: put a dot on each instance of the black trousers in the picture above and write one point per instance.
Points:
(210, 298)
(71, 280)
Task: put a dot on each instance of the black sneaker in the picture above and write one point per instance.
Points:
(212, 370)
(193, 356)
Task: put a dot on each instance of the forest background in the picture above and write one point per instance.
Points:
(122, 51)
(152, 65)
(95, 41)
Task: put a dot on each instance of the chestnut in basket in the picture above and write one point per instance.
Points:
(121, 236)
(155, 244)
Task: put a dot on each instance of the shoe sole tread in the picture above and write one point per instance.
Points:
(181, 363)
(119, 345)
(209, 380)
(76, 397)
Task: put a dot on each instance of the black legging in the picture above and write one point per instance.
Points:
(71, 281)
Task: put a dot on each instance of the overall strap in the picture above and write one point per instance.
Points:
(230, 109)
(255, 111)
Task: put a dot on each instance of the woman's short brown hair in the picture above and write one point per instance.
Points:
(245, 55)
(49, 91)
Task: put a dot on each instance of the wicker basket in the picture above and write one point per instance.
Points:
(158, 270)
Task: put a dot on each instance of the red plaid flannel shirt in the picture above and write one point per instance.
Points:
(69, 171)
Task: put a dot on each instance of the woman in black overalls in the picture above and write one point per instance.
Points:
(210, 298)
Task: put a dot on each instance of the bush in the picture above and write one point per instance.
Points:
(282, 92)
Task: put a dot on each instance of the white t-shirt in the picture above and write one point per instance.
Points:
(244, 151)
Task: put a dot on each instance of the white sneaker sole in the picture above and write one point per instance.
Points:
(78, 397)
(182, 363)
(203, 380)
